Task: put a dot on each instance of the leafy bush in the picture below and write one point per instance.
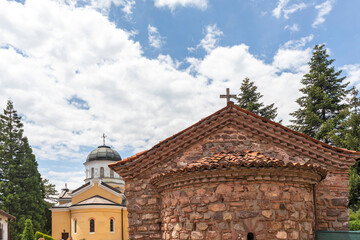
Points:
(42, 235)
(355, 225)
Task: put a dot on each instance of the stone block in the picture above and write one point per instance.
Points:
(281, 235)
(217, 207)
(196, 235)
(339, 202)
(247, 214)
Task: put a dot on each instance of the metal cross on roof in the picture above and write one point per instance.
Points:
(228, 95)
(103, 137)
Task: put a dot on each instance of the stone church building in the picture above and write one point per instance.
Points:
(235, 175)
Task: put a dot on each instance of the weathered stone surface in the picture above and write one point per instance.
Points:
(281, 235)
(217, 207)
(267, 213)
(247, 214)
(339, 202)
(196, 235)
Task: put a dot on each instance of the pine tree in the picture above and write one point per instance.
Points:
(323, 93)
(21, 188)
(248, 98)
(28, 233)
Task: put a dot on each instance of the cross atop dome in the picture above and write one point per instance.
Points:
(103, 137)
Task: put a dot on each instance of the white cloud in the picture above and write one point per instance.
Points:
(324, 9)
(72, 82)
(155, 39)
(211, 39)
(293, 8)
(282, 9)
(279, 8)
(172, 4)
(353, 74)
(292, 28)
(298, 44)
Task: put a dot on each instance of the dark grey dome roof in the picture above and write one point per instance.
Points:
(103, 153)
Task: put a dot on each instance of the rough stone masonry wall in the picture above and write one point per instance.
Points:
(144, 201)
(232, 210)
(332, 201)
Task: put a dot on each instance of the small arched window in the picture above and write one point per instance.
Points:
(92, 225)
(75, 226)
(92, 172)
(101, 172)
(111, 173)
(112, 225)
(250, 236)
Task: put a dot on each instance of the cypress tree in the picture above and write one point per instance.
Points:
(249, 98)
(28, 233)
(323, 93)
(21, 188)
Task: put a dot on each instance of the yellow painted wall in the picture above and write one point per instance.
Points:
(60, 222)
(102, 218)
(96, 190)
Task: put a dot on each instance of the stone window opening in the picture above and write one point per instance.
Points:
(92, 172)
(92, 226)
(101, 172)
(250, 236)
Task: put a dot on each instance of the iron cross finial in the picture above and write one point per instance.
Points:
(228, 95)
(103, 137)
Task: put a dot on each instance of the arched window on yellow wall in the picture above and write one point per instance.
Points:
(101, 172)
(112, 225)
(92, 226)
(75, 226)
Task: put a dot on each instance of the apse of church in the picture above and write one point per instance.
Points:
(97, 209)
(235, 175)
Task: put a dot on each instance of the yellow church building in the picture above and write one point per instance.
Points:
(97, 209)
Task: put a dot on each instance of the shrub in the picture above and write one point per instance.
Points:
(353, 216)
(354, 225)
(42, 235)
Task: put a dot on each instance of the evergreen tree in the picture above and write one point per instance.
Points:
(28, 233)
(21, 188)
(323, 93)
(248, 98)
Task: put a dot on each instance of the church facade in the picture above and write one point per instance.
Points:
(236, 175)
(97, 209)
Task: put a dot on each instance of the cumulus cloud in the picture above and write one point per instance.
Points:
(172, 4)
(323, 10)
(72, 82)
(155, 39)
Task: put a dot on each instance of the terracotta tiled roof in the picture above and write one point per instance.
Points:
(245, 158)
(231, 114)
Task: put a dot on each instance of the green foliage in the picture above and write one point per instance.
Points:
(42, 235)
(28, 233)
(323, 95)
(354, 220)
(21, 189)
(248, 98)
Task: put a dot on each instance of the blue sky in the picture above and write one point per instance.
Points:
(143, 70)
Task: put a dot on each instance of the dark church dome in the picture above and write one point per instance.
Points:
(103, 153)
